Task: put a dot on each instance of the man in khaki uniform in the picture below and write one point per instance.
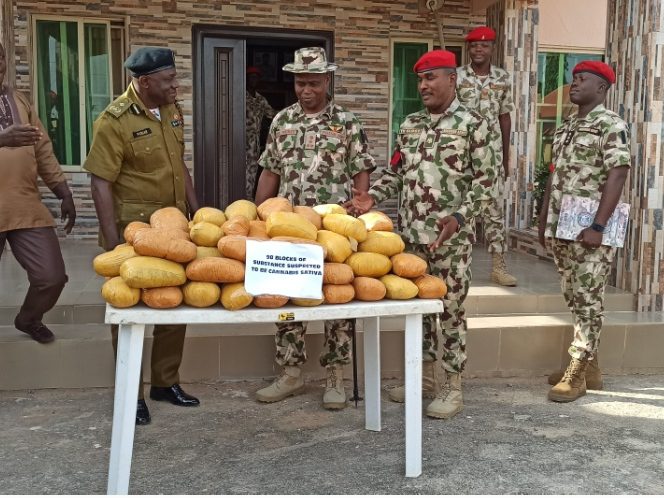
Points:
(137, 167)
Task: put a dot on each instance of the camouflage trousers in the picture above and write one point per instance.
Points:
(291, 350)
(584, 273)
(492, 214)
(445, 333)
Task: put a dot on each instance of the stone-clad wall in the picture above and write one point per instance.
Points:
(635, 49)
(362, 31)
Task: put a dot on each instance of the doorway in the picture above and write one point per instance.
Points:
(221, 56)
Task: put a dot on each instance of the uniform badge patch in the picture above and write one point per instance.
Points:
(428, 143)
(336, 128)
(175, 123)
(310, 140)
(142, 133)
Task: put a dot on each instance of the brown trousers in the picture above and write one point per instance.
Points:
(167, 344)
(38, 251)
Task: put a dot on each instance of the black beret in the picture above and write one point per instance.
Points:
(148, 60)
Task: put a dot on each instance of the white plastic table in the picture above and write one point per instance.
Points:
(132, 322)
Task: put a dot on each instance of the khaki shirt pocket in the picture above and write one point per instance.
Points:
(148, 152)
(137, 211)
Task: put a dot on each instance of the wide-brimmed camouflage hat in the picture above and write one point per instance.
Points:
(310, 60)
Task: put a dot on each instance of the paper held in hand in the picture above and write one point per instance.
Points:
(284, 269)
(577, 213)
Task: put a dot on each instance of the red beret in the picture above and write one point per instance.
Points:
(253, 70)
(435, 59)
(483, 33)
(597, 68)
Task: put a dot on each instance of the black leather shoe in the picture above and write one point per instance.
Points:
(142, 413)
(38, 331)
(173, 394)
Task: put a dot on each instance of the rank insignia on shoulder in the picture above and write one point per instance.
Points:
(142, 133)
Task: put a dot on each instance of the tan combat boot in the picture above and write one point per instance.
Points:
(594, 379)
(573, 384)
(290, 382)
(335, 395)
(431, 383)
(449, 401)
(499, 273)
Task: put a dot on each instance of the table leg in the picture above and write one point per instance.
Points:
(372, 373)
(127, 371)
(413, 368)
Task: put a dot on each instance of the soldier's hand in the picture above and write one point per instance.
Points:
(68, 212)
(589, 238)
(20, 136)
(361, 202)
(448, 226)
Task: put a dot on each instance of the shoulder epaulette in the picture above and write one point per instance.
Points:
(119, 106)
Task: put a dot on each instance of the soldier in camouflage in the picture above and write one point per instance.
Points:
(316, 152)
(258, 109)
(591, 158)
(486, 89)
(443, 168)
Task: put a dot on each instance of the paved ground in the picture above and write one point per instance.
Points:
(508, 440)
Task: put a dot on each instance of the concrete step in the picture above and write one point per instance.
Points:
(523, 345)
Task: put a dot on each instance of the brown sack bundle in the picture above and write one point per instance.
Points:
(338, 294)
(235, 296)
(324, 209)
(337, 246)
(345, 225)
(209, 215)
(369, 264)
(159, 243)
(408, 265)
(430, 287)
(131, 229)
(201, 294)
(282, 224)
(233, 246)
(369, 289)
(107, 264)
(220, 270)
(169, 217)
(258, 229)
(162, 297)
(205, 234)
(272, 205)
(117, 293)
(376, 220)
(310, 214)
(399, 288)
(270, 301)
(207, 252)
(146, 272)
(387, 243)
(300, 301)
(237, 225)
(241, 207)
(337, 273)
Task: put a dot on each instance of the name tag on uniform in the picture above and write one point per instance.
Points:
(331, 134)
(142, 133)
(589, 129)
(458, 133)
(286, 133)
(497, 86)
(310, 140)
(409, 131)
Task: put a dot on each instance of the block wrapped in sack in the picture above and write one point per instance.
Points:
(146, 272)
(369, 264)
(233, 246)
(258, 229)
(310, 214)
(117, 293)
(207, 252)
(430, 287)
(235, 296)
(162, 297)
(398, 287)
(338, 293)
(160, 244)
(219, 270)
(205, 234)
(337, 273)
(377, 221)
(337, 247)
(209, 215)
(324, 209)
(270, 301)
(408, 265)
(131, 229)
(272, 205)
(241, 207)
(201, 294)
(301, 301)
(108, 264)
(369, 289)
(345, 225)
(282, 224)
(169, 217)
(387, 243)
(237, 225)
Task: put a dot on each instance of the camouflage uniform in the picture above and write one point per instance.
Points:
(491, 97)
(584, 151)
(258, 108)
(446, 167)
(316, 158)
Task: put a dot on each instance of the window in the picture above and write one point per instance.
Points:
(74, 66)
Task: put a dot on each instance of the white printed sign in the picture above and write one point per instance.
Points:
(284, 268)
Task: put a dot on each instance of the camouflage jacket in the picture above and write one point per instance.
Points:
(584, 151)
(258, 108)
(316, 157)
(445, 167)
(490, 97)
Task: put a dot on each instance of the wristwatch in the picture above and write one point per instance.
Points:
(597, 227)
